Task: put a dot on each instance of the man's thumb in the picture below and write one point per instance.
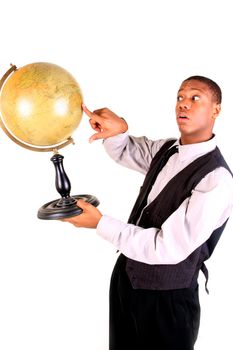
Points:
(100, 135)
(96, 136)
(81, 204)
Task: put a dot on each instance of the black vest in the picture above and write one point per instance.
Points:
(185, 273)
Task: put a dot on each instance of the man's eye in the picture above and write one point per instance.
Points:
(196, 98)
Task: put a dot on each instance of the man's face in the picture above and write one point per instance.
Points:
(196, 111)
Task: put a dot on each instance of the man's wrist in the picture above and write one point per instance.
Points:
(126, 125)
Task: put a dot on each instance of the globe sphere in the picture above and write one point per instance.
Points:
(41, 104)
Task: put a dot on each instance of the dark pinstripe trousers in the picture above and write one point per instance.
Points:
(143, 319)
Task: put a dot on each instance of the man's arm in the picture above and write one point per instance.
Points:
(185, 230)
(135, 153)
(209, 206)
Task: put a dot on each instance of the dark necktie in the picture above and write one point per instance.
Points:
(146, 188)
(158, 167)
(165, 158)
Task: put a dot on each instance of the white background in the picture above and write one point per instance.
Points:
(130, 56)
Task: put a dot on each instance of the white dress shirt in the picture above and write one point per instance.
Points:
(190, 225)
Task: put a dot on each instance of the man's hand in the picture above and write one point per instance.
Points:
(89, 218)
(105, 123)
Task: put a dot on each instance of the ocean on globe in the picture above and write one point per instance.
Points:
(41, 104)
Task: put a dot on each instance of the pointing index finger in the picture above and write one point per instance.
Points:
(92, 115)
(86, 110)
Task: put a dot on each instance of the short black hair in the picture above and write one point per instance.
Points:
(214, 88)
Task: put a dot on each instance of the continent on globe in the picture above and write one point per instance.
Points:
(41, 104)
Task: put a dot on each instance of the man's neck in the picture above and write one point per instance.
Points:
(188, 140)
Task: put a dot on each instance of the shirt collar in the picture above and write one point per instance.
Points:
(195, 150)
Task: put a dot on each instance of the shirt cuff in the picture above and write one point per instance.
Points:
(110, 229)
(117, 139)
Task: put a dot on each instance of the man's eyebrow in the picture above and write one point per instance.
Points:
(201, 90)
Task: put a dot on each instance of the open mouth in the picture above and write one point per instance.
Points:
(183, 117)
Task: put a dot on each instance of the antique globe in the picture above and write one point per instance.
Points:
(40, 108)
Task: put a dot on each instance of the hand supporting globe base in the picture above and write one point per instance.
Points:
(66, 206)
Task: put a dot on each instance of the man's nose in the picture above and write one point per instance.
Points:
(184, 105)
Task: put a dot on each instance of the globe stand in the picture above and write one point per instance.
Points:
(66, 206)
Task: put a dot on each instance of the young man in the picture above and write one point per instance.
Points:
(181, 211)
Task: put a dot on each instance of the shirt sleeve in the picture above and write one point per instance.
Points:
(135, 153)
(185, 230)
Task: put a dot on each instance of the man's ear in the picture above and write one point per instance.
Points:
(216, 110)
